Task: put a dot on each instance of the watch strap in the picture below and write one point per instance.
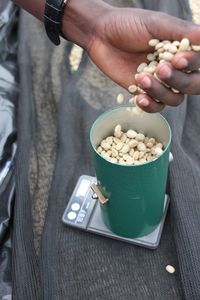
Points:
(52, 19)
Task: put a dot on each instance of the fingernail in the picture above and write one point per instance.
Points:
(164, 72)
(182, 62)
(146, 82)
(144, 102)
(137, 76)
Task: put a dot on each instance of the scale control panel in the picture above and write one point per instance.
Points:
(81, 203)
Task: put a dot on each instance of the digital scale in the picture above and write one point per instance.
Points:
(83, 212)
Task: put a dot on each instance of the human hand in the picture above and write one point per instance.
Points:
(117, 42)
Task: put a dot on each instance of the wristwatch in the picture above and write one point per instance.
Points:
(52, 19)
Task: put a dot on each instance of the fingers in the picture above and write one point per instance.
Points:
(156, 90)
(188, 60)
(148, 104)
(185, 83)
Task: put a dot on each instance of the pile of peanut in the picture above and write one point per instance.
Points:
(163, 51)
(130, 147)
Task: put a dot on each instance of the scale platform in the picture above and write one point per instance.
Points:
(83, 212)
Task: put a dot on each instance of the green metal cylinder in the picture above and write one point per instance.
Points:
(135, 192)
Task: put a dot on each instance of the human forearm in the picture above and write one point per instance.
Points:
(36, 7)
(79, 17)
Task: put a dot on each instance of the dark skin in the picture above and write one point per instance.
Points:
(116, 39)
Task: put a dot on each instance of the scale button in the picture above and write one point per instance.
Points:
(79, 220)
(81, 215)
(75, 206)
(71, 215)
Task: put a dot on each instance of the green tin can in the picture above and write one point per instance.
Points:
(135, 193)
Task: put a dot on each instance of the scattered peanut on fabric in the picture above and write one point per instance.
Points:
(130, 147)
(170, 269)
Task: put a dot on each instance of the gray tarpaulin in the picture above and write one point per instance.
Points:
(8, 98)
(56, 109)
